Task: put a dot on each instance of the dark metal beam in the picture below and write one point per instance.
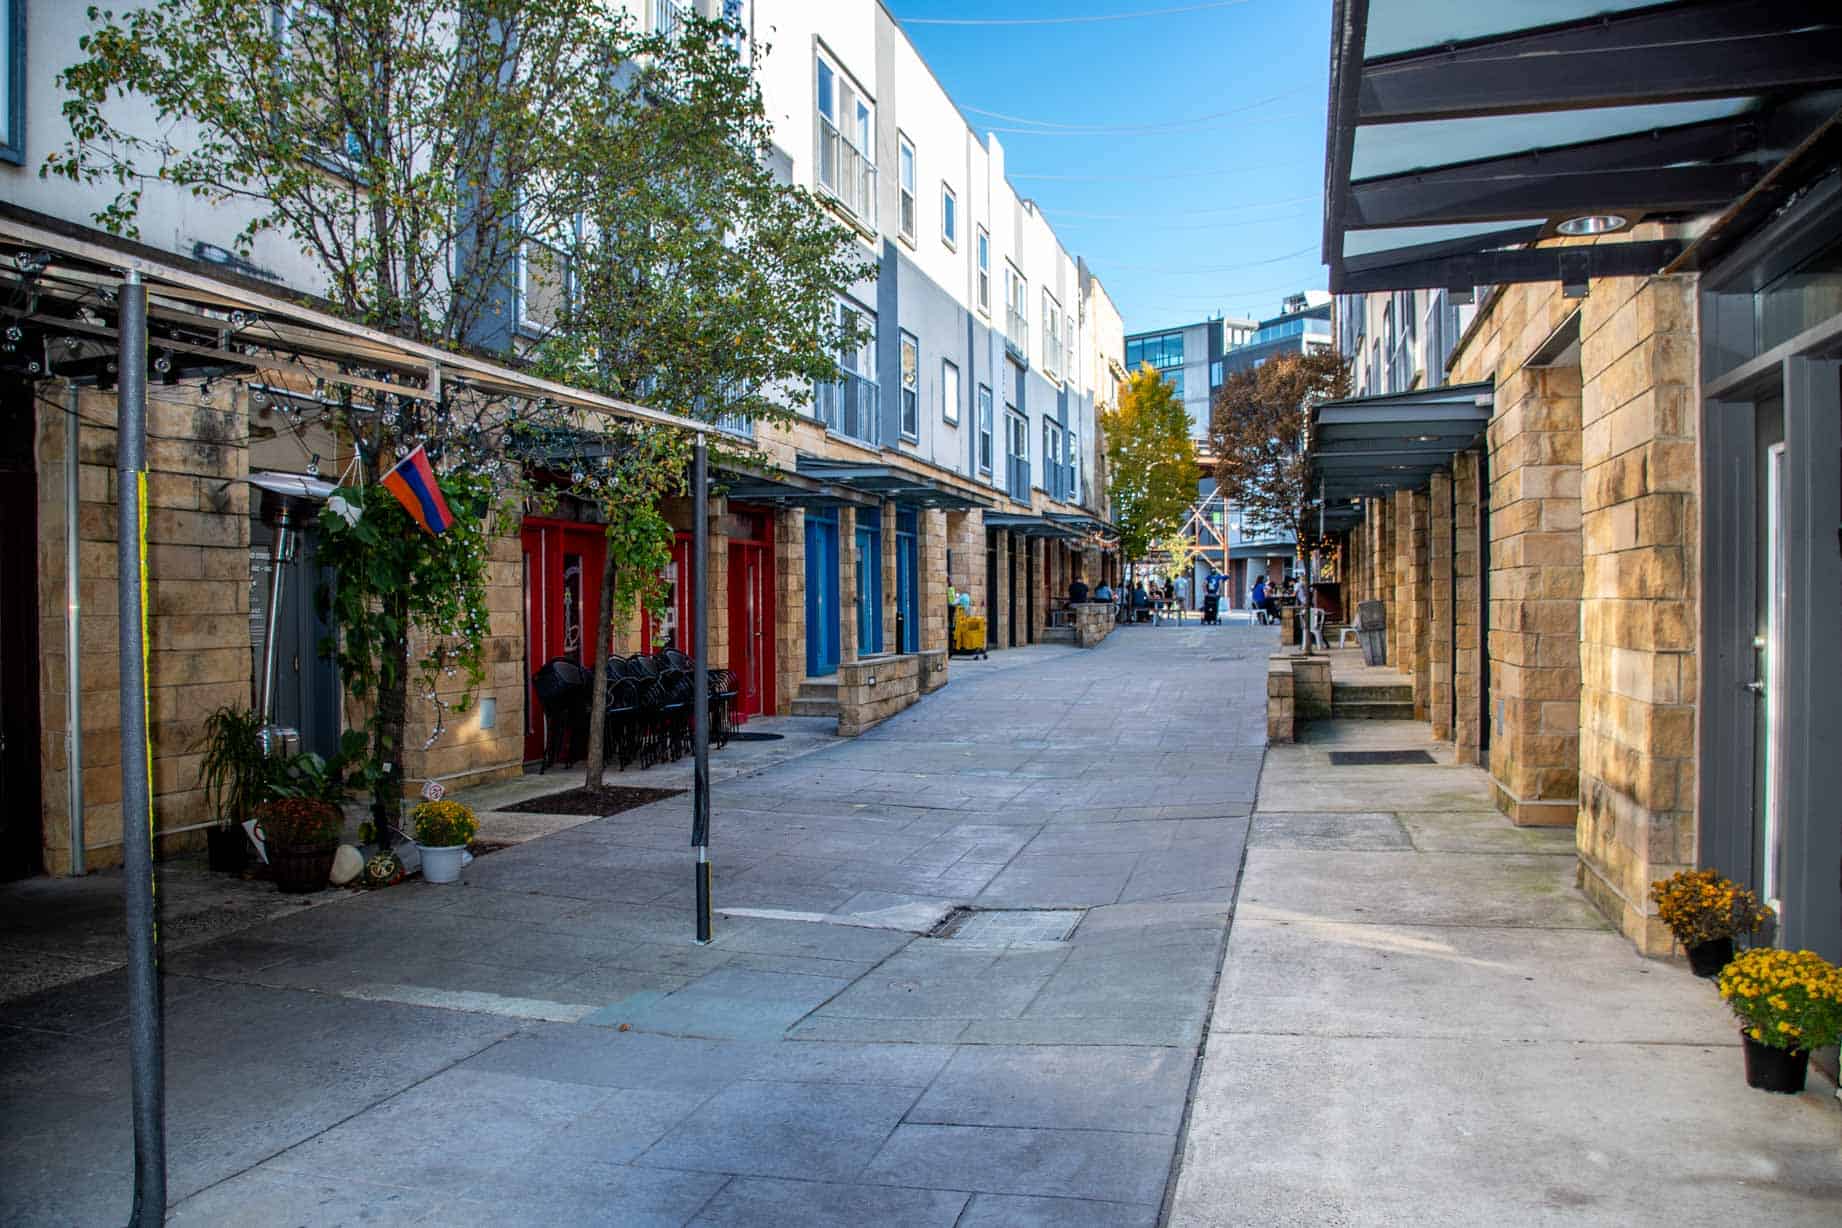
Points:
(1674, 52)
(1442, 199)
(1574, 263)
(1349, 26)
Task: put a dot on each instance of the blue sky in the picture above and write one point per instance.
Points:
(1204, 212)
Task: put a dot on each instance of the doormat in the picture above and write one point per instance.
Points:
(749, 735)
(1359, 758)
(599, 802)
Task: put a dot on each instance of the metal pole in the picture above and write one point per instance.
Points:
(700, 681)
(73, 629)
(144, 1025)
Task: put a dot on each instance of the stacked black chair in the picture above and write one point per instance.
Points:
(563, 690)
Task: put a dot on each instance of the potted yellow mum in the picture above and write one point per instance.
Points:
(443, 831)
(1705, 911)
(1788, 1003)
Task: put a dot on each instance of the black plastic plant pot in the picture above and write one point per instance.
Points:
(1708, 958)
(1774, 1070)
(226, 849)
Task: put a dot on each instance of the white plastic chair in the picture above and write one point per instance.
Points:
(1317, 628)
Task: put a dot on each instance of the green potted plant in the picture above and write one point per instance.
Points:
(301, 835)
(1788, 1003)
(443, 831)
(233, 774)
(1705, 912)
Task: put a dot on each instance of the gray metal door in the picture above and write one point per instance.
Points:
(306, 683)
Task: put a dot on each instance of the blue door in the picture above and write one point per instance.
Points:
(869, 582)
(821, 593)
(907, 587)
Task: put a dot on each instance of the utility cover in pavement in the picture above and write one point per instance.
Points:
(1358, 758)
(1003, 927)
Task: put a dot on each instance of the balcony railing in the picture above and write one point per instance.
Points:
(846, 174)
(1016, 331)
(1052, 355)
(848, 405)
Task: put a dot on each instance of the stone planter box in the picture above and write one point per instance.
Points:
(873, 689)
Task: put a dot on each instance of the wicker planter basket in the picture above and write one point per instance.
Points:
(301, 868)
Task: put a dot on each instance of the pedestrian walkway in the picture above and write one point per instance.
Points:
(1421, 1020)
(960, 977)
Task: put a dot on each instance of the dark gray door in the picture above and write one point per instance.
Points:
(306, 683)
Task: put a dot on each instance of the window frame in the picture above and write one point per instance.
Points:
(856, 131)
(13, 142)
(981, 261)
(986, 427)
(908, 400)
(949, 216)
(949, 404)
(907, 189)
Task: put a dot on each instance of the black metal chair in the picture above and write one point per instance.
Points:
(563, 691)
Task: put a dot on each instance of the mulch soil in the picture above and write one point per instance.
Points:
(598, 802)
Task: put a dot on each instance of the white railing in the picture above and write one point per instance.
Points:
(848, 405)
(846, 174)
(1017, 330)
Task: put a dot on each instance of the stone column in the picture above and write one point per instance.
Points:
(887, 565)
(1382, 565)
(847, 580)
(1468, 661)
(789, 605)
(1535, 592)
(1401, 613)
(1417, 658)
(931, 583)
(716, 586)
(1439, 605)
(998, 627)
(1639, 608)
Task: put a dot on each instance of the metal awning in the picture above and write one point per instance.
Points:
(1377, 445)
(1266, 550)
(891, 482)
(1459, 133)
(1030, 526)
(1091, 526)
(778, 488)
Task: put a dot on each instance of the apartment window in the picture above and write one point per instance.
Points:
(1052, 336)
(911, 387)
(13, 81)
(1016, 309)
(668, 18)
(949, 217)
(905, 204)
(984, 263)
(1175, 380)
(949, 392)
(984, 428)
(848, 404)
(1215, 374)
(302, 24)
(546, 282)
(1017, 428)
(846, 158)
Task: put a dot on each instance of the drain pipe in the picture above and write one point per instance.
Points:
(73, 626)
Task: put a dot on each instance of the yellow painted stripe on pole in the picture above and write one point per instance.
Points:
(140, 482)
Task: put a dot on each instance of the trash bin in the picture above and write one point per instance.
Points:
(969, 636)
(1372, 632)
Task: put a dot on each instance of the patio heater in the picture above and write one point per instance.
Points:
(287, 499)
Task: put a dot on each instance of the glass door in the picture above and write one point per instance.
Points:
(821, 593)
(869, 582)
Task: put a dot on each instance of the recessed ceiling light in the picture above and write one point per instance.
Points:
(1426, 439)
(1592, 224)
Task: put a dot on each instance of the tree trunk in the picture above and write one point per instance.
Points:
(392, 719)
(598, 688)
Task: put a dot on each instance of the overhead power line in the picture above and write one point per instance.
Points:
(1127, 129)
(1134, 178)
(1068, 21)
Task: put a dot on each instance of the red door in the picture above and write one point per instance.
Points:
(563, 562)
(751, 628)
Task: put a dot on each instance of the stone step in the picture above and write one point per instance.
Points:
(813, 707)
(819, 688)
(1371, 692)
(1345, 710)
(1057, 635)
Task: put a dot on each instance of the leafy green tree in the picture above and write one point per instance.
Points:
(1150, 460)
(1257, 432)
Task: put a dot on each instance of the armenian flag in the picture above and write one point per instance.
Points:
(412, 481)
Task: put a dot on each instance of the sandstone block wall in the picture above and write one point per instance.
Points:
(873, 689)
(1641, 593)
(1093, 622)
(1439, 606)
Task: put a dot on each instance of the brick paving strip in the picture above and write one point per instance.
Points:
(545, 1043)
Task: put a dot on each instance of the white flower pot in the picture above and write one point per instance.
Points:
(443, 865)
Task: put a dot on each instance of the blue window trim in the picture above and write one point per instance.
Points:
(14, 150)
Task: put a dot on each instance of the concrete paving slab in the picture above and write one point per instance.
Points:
(545, 1196)
(1485, 832)
(748, 1202)
(1096, 1164)
(1415, 889)
(817, 1131)
(737, 1004)
(1014, 1211)
(603, 1057)
(1669, 1134)
(283, 1200)
(1338, 979)
(1062, 1086)
(1351, 831)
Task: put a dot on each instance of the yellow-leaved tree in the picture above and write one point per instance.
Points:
(1150, 460)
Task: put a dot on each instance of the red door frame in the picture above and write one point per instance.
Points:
(546, 545)
(751, 641)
